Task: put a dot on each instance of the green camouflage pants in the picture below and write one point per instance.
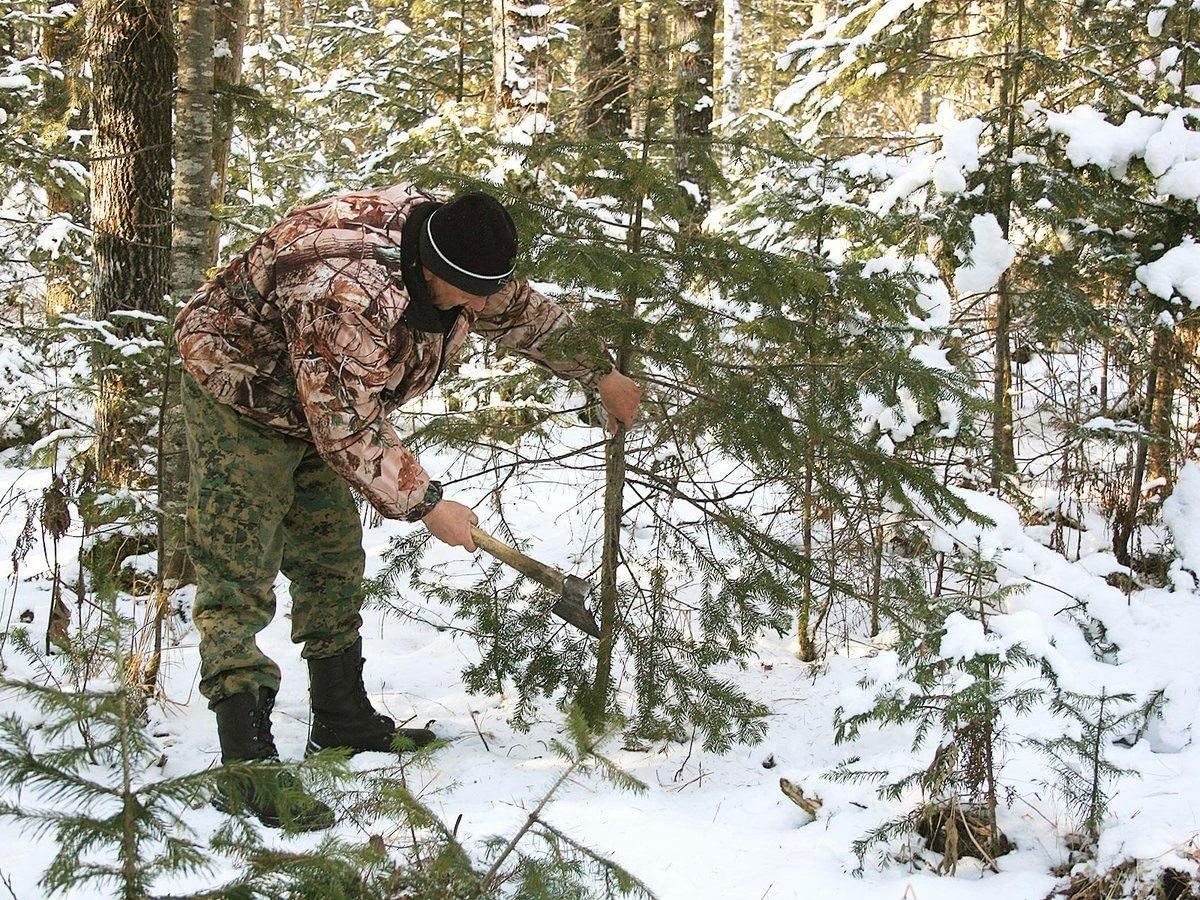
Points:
(260, 502)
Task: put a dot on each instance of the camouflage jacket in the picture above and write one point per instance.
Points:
(307, 333)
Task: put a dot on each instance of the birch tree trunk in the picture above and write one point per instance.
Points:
(132, 62)
(190, 259)
(231, 26)
(695, 22)
(731, 57)
(192, 196)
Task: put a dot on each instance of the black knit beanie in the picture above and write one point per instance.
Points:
(471, 242)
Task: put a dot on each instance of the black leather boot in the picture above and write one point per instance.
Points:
(342, 715)
(275, 798)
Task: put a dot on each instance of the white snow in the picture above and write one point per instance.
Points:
(950, 414)
(932, 356)
(989, 258)
(692, 190)
(523, 132)
(1093, 140)
(717, 826)
(1170, 149)
(1104, 423)
(960, 151)
(956, 156)
(1175, 272)
(51, 237)
(896, 423)
(1154, 21)
(1181, 513)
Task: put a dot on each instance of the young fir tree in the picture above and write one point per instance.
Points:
(1139, 228)
(1062, 306)
(80, 776)
(79, 764)
(872, 431)
(957, 684)
(1080, 758)
(757, 353)
(991, 59)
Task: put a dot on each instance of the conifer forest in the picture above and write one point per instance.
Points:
(888, 589)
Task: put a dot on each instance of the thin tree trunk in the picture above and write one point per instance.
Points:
(731, 57)
(695, 22)
(502, 98)
(598, 701)
(1160, 453)
(62, 35)
(461, 73)
(877, 546)
(192, 196)
(520, 65)
(231, 26)
(805, 649)
(1104, 381)
(190, 259)
(132, 61)
(1003, 452)
(1126, 523)
(603, 75)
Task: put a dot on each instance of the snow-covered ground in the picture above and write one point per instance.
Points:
(717, 826)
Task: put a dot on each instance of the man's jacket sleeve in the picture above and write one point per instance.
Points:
(534, 326)
(339, 354)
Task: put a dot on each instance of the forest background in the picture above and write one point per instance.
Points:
(913, 290)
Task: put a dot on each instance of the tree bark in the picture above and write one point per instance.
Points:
(132, 61)
(731, 57)
(192, 197)
(1161, 450)
(1003, 453)
(597, 702)
(62, 35)
(231, 25)
(1004, 462)
(805, 650)
(520, 65)
(695, 21)
(191, 254)
(1126, 523)
(603, 75)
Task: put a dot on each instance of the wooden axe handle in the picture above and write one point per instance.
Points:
(531, 568)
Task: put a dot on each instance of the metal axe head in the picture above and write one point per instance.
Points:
(570, 606)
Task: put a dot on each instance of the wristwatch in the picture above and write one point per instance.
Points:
(433, 495)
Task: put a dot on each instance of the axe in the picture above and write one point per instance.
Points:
(571, 590)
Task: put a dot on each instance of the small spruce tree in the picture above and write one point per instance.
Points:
(1081, 757)
(956, 685)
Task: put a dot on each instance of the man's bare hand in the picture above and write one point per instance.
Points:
(620, 396)
(451, 523)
